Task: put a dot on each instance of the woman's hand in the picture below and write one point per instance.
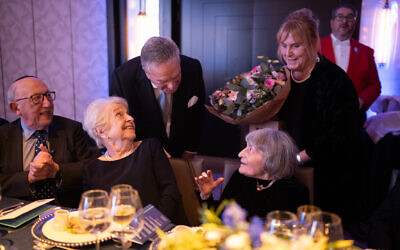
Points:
(206, 184)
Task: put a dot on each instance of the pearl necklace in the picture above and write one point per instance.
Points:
(294, 79)
(108, 157)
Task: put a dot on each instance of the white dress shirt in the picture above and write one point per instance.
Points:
(342, 52)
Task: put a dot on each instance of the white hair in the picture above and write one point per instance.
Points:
(96, 116)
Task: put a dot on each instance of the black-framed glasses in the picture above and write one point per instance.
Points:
(38, 98)
(350, 17)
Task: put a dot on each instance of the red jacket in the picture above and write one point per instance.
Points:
(361, 70)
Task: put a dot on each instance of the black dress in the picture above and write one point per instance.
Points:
(322, 116)
(284, 194)
(147, 170)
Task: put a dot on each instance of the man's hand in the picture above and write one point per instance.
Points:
(42, 166)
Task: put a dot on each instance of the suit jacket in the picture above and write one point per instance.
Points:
(361, 70)
(130, 82)
(2, 121)
(69, 147)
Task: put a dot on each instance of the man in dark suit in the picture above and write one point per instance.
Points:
(50, 166)
(165, 93)
(353, 57)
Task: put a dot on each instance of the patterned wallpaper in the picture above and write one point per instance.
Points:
(63, 42)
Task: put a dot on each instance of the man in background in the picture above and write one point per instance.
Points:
(40, 153)
(165, 93)
(356, 59)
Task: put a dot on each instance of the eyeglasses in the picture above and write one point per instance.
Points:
(38, 98)
(349, 18)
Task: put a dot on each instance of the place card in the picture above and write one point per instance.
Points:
(153, 219)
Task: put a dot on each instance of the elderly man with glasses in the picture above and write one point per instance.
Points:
(356, 59)
(41, 154)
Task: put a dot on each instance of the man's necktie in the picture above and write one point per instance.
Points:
(164, 105)
(44, 189)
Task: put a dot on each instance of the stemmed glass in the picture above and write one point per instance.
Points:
(126, 210)
(94, 212)
(281, 223)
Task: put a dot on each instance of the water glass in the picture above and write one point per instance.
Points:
(309, 218)
(94, 213)
(281, 223)
(331, 225)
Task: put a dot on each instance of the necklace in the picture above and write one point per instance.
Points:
(299, 81)
(108, 157)
(262, 187)
(309, 72)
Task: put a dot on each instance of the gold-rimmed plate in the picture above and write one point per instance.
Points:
(42, 230)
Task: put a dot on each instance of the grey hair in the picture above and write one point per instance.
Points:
(96, 116)
(279, 151)
(11, 90)
(158, 50)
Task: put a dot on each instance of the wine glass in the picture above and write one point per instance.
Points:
(126, 210)
(281, 223)
(331, 225)
(309, 218)
(94, 212)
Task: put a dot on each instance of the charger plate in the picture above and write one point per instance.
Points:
(42, 230)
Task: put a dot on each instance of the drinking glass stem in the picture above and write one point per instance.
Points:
(123, 239)
(97, 242)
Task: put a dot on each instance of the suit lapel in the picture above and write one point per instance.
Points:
(353, 59)
(329, 53)
(145, 88)
(56, 135)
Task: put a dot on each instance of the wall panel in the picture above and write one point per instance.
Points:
(64, 42)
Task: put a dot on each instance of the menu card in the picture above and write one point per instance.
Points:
(153, 219)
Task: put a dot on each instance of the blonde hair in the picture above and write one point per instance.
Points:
(279, 151)
(303, 26)
(96, 116)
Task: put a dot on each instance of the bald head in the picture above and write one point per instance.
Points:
(34, 115)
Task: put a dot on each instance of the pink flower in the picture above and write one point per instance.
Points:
(256, 69)
(232, 96)
(269, 83)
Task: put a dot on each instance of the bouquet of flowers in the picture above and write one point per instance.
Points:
(252, 97)
(234, 232)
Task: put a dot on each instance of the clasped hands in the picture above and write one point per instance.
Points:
(206, 184)
(42, 166)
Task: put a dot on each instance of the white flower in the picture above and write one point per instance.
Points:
(240, 241)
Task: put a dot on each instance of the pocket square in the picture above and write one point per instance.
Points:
(192, 101)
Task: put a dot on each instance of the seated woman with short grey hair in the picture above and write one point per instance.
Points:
(264, 181)
(142, 164)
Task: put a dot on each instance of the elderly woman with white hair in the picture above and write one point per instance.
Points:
(142, 164)
(264, 181)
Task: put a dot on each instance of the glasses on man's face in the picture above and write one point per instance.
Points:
(38, 98)
(350, 18)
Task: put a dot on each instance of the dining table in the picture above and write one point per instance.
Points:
(21, 238)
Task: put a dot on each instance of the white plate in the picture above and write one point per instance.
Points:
(65, 238)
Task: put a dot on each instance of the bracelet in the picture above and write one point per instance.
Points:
(299, 161)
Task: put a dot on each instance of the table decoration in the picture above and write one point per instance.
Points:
(253, 97)
(232, 231)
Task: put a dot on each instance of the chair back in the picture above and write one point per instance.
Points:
(184, 174)
(305, 175)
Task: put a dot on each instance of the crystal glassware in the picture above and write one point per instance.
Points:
(126, 210)
(94, 213)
